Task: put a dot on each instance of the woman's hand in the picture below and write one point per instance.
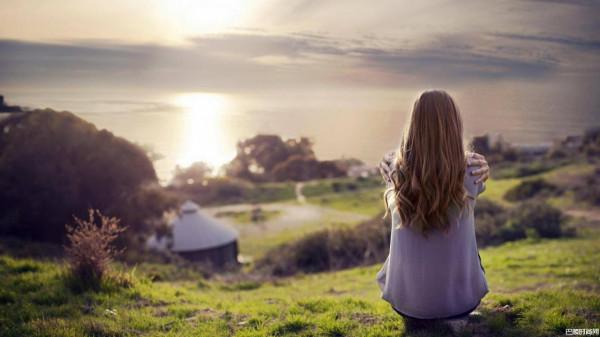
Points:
(475, 159)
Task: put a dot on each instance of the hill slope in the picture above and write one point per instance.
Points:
(538, 288)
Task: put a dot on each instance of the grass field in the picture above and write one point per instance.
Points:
(257, 244)
(538, 288)
(369, 200)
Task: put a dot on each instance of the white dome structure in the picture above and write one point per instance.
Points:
(199, 237)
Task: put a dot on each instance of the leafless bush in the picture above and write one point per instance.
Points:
(90, 248)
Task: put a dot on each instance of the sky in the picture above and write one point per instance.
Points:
(271, 46)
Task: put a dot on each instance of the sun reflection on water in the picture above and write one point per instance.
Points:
(203, 130)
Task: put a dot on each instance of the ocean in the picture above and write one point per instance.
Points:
(181, 128)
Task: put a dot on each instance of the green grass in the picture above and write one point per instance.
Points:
(368, 202)
(340, 185)
(563, 176)
(525, 169)
(269, 192)
(495, 189)
(257, 245)
(538, 288)
(286, 191)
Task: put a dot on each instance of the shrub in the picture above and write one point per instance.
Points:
(543, 218)
(529, 189)
(485, 206)
(226, 190)
(511, 231)
(534, 218)
(591, 142)
(489, 218)
(90, 248)
(368, 242)
(330, 249)
(590, 190)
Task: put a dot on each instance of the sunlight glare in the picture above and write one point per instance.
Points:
(203, 129)
(205, 16)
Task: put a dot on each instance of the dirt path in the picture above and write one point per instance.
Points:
(592, 216)
(299, 196)
(292, 216)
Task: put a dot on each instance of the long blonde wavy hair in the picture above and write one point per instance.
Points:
(430, 164)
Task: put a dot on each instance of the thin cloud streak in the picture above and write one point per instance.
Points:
(255, 61)
(561, 40)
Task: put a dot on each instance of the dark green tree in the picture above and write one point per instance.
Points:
(257, 156)
(54, 165)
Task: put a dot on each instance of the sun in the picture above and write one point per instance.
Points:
(205, 16)
(203, 130)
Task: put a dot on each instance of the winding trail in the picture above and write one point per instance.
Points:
(299, 196)
(291, 216)
(592, 216)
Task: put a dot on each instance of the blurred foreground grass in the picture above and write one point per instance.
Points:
(538, 288)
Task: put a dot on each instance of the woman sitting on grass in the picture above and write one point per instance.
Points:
(433, 270)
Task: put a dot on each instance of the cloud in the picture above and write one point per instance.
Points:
(586, 3)
(255, 60)
(561, 40)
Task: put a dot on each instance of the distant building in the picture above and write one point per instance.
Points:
(362, 171)
(534, 150)
(200, 238)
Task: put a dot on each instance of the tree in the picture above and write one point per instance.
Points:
(257, 156)
(194, 173)
(591, 142)
(54, 165)
(296, 168)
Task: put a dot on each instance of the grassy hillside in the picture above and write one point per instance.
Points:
(369, 200)
(538, 288)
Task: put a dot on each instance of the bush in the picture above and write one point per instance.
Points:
(531, 188)
(485, 206)
(489, 218)
(90, 248)
(506, 170)
(537, 215)
(226, 190)
(511, 232)
(368, 242)
(330, 249)
(495, 225)
(591, 142)
(590, 191)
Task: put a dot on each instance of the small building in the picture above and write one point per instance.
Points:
(362, 171)
(199, 237)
